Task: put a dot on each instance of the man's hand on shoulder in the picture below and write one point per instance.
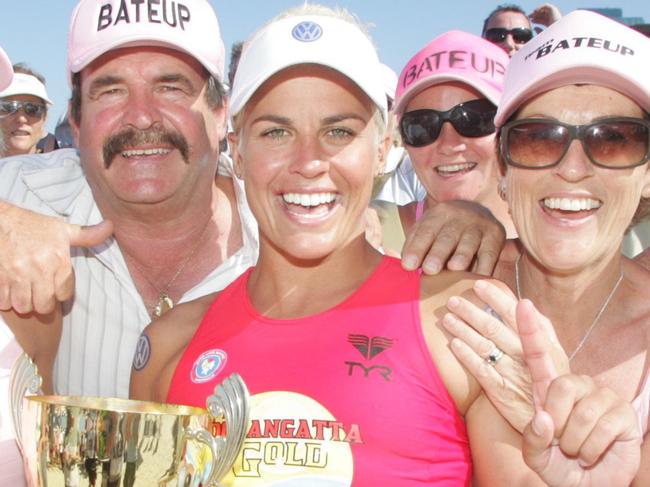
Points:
(35, 268)
(461, 235)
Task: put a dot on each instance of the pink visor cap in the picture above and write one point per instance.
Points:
(308, 39)
(6, 70)
(581, 48)
(454, 56)
(190, 26)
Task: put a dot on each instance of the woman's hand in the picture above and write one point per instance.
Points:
(479, 332)
(581, 435)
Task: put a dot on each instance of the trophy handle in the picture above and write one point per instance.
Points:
(214, 444)
(24, 379)
(230, 401)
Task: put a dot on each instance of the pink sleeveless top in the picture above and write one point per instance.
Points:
(349, 396)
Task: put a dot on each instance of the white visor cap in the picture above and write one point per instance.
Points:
(308, 39)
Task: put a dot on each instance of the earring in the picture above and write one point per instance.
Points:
(502, 188)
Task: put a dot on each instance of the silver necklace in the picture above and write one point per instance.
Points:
(602, 309)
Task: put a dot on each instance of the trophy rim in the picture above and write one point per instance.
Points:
(119, 405)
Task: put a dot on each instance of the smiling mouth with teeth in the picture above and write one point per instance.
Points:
(309, 200)
(454, 169)
(145, 152)
(571, 204)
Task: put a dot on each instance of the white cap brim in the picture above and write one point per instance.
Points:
(26, 84)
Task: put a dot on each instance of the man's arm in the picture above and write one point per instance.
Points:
(461, 235)
(35, 269)
(38, 336)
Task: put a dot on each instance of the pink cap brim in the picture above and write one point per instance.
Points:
(454, 56)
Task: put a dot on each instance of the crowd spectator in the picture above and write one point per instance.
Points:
(574, 138)
(446, 118)
(23, 113)
(509, 27)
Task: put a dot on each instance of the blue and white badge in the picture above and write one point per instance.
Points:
(307, 31)
(208, 365)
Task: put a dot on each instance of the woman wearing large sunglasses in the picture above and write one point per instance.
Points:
(575, 140)
(446, 101)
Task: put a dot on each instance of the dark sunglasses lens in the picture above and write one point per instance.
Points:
(33, 109)
(617, 143)
(7, 108)
(420, 127)
(496, 35)
(474, 118)
(30, 109)
(521, 36)
(536, 144)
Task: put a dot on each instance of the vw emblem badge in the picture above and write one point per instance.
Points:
(307, 31)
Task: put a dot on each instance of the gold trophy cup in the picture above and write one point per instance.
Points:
(84, 441)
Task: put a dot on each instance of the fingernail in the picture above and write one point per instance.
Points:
(409, 262)
(458, 263)
(448, 320)
(432, 266)
(480, 285)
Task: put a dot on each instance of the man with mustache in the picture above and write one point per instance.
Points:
(148, 112)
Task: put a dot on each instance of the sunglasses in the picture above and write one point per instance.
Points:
(474, 118)
(520, 35)
(614, 143)
(30, 109)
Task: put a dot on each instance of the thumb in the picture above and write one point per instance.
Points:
(91, 235)
(538, 437)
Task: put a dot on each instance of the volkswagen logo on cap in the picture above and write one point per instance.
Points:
(307, 31)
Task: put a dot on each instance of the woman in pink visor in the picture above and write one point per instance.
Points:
(574, 137)
(446, 99)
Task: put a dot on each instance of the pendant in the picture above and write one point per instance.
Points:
(164, 304)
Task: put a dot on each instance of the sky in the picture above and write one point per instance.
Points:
(35, 31)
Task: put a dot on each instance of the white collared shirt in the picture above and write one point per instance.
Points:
(102, 322)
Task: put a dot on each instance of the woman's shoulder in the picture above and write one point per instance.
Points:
(452, 283)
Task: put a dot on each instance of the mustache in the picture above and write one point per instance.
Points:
(117, 143)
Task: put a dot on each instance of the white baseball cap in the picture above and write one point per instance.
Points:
(6, 70)
(582, 47)
(190, 26)
(308, 39)
(26, 84)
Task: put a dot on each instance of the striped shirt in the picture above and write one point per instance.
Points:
(102, 322)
